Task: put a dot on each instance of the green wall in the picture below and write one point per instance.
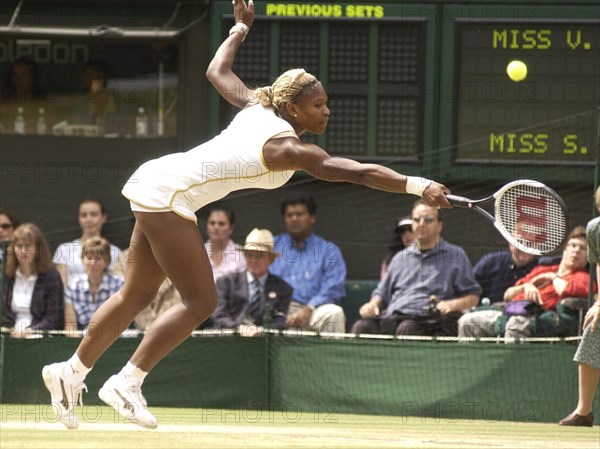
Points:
(442, 380)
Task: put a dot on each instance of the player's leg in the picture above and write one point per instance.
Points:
(143, 277)
(178, 247)
(65, 380)
(179, 250)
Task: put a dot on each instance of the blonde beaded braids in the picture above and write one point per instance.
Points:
(286, 89)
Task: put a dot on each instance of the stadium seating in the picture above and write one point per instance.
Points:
(358, 292)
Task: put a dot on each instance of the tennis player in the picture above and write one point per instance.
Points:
(259, 149)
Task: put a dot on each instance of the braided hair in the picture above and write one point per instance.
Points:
(286, 89)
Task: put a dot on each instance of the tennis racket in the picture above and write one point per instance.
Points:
(528, 214)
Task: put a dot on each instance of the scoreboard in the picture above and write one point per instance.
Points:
(552, 115)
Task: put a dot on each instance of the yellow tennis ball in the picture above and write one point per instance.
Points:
(517, 70)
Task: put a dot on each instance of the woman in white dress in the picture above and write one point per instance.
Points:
(259, 149)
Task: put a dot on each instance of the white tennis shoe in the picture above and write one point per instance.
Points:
(124, 394)
(64, 396)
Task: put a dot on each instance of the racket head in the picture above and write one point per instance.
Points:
(531, 216)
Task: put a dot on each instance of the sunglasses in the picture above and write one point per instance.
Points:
(427, 219)
(6, 226)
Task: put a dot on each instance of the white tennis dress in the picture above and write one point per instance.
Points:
(233, 160)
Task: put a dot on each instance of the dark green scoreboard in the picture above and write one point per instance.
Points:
(424, 86)
(551, 115)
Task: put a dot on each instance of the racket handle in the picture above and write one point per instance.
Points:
(460, 201)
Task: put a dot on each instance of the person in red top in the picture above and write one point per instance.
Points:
(546, 285)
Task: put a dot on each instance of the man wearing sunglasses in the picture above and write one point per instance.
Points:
(8, 223)
(427, 287)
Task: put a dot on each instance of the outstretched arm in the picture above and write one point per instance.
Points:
(291, 154)
(220, 70)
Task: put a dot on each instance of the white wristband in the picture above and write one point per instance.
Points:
(416, 185)
(240, 27)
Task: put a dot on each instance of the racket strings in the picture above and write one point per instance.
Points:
(533, 215)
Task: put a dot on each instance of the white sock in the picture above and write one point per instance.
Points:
(133, 371)
(74, 371)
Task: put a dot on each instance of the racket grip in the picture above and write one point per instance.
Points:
(460, 201)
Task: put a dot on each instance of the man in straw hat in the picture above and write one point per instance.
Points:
(253, 299)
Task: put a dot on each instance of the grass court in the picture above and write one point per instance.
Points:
(32, 426)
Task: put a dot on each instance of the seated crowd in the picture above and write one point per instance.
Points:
(295, 280)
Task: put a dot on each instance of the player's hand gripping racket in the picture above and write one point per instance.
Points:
(528, 214)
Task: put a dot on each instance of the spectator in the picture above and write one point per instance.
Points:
(313, 266)
(67, 256)
(22, 84)
(84, 294)
(540, 290)
(588, 352)
(100, 101)
(33, 299)
(21, 87)
(225, 256)
(427, 286)
(247, 300)
(403, 237)
(8, 223)
(496, 272)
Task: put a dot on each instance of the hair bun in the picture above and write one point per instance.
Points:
(265, 95)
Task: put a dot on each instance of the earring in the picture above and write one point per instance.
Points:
(295, 115)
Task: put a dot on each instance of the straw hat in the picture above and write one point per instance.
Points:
(260, 240)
